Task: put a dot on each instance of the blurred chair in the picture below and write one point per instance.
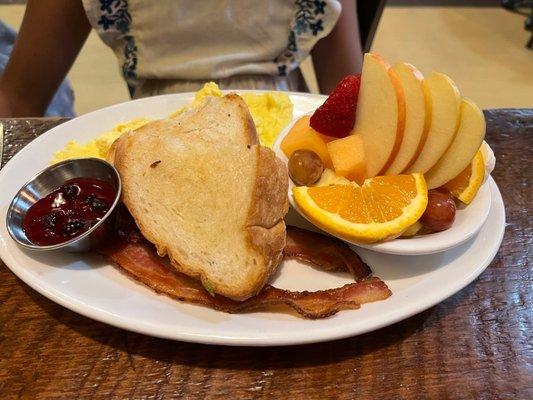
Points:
(522, 6)
(369, 14)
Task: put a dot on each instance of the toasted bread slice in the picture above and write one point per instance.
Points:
(226, 119)
(215, 207)
(216, 119)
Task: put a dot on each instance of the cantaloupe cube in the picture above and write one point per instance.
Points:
(303, 137)
(305, 123)
(348, 157)
(326, 138)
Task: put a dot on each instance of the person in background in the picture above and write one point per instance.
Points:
(62, 102)
(173, 46)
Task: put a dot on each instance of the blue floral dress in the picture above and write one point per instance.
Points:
(175, 45)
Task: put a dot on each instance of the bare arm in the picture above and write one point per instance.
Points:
(339, 54)
(50, 38)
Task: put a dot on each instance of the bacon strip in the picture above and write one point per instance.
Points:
(138, 258)
(324, 252)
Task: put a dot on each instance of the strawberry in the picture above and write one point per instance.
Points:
(336, 117)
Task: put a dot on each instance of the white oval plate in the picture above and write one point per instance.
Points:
(468, 221)
(89, 286)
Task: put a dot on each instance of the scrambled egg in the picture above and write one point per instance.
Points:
(98, 147)
(271, 112)
(209, 89)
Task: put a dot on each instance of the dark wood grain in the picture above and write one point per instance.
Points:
(475, 345)
(18, 132)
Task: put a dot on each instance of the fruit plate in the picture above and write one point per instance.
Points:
(468, 221)
(89, 286)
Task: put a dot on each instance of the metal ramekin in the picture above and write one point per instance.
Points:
(48, 180)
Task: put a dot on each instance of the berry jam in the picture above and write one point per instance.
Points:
(69, 211)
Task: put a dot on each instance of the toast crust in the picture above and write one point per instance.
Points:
(264, 225)
(245, 117)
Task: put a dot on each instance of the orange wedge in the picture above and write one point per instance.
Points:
(382, 208)
(465, 185)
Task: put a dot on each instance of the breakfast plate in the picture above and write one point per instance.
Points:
(90, 286)
(468, 221)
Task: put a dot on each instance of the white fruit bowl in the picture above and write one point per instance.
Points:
(468, 221)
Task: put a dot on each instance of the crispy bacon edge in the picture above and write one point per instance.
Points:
(138, 258)
(324, 252)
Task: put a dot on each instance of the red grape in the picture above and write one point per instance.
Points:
(440, 211)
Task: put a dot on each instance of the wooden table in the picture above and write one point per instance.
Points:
(476, 344)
